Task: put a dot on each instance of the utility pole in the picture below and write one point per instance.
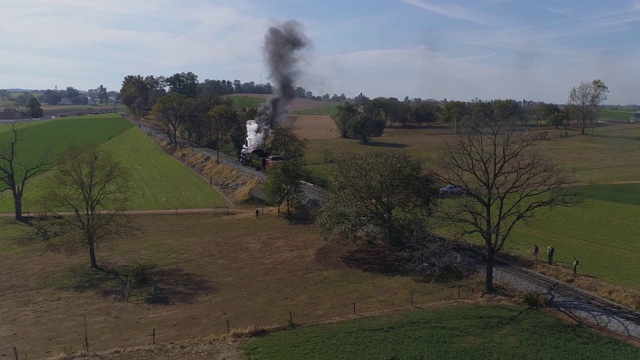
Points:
(217, 142)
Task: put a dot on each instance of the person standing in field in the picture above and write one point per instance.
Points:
(534, 252)
(550, 252)
(575, 265)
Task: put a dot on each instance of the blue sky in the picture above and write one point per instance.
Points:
(458, 49)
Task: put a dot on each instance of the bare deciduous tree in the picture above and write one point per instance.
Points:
(584, 101)
(14, 172)
(88, 191)
(505, 179)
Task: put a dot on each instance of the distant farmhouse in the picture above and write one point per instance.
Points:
(637, 116)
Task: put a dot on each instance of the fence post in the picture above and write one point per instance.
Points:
(15, 352)
(153, 336)
(86, 337)
(228, 328)
(290, 318)
(354, 308)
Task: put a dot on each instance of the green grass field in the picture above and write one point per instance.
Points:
(240, 101)
(615, 114)
(602, 234)
(52, 137)
(158, 180)
(470, 332)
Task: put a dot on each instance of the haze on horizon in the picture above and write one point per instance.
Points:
(460, 49)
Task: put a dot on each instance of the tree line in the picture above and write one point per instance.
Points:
(362, 118)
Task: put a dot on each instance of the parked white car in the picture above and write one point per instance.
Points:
(451, 190)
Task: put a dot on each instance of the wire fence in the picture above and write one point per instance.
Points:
(342, 309)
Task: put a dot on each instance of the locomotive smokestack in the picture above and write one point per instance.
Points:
(281, 44)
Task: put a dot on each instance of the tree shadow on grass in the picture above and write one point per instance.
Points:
(175, 286)
(386, 144)
(377, 260)
(393, 263)
(170, 286)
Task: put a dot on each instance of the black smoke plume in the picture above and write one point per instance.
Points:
(282, 44)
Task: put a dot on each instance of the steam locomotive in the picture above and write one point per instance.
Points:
(258, 158)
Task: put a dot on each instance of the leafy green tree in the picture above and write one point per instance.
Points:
(364, 126)
(455, 112)
(505, 180)
(558, 119)
(156, 86)
(34, 110)
(343, 114)
(22, 100)
(184, 83)
(171, 112)
(584, 101)
(88, 191)
(198, 126)
(226, 124)
(378, 107)
(5, 95)
(424, 112)
(377, 198)
(72, 93)
(16, 170)
(284, 141)
(135, 94)
(52, 97)
(509, 110)
(283, 183)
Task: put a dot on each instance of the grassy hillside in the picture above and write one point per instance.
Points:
(472, 332)
(158, 180)
(602, 234)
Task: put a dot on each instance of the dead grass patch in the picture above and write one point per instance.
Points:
(315, 127)
(234, 184)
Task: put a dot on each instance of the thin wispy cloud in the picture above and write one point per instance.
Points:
(457, 49)
(455, 12)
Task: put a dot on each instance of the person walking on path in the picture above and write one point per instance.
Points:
(257, 213)
(575, 265)
(534, 252)
(550, 252)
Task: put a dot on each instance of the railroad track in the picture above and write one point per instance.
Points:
(561, 292)
(580, 305)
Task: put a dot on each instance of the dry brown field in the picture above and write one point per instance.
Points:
(608, 153)
(209, 269)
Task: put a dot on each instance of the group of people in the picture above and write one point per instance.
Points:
(550, 252)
